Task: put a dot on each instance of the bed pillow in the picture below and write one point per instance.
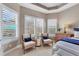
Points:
(27, 39)
(71, 40)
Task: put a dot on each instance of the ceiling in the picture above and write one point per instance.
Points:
(50, 4)
(48, 7)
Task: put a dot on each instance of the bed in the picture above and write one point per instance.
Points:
(63, 48)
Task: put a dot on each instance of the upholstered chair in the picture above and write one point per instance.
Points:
(27, 42)
(46, 39)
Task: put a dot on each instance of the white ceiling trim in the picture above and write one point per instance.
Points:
(39, 9)
(51, 4)
(65, 7)
(34, 7)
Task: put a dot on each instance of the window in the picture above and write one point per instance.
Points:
(29, 24)
(33, 25)
(8, 22)
(52, 26)
(38, 25)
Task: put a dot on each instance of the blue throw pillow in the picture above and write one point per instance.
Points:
(71, 40)
(27, 39)
(45, 37)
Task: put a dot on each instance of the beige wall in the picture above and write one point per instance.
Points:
(30, 12)
(52, 16)
(69, 16)
(13, 6)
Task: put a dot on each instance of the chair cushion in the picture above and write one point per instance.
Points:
(27, 39)
(29, 44)
(45, 37)
(47, 41)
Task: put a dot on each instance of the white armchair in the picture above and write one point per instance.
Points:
(45, 39)
(27, 42)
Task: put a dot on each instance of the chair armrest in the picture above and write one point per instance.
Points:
(33, 39)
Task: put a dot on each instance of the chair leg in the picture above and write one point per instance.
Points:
(43, 44)
(24, 51)
(50, 44)
(34, 47)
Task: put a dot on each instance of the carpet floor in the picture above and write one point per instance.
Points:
(38, 51)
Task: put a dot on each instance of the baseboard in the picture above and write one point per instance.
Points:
(18, 46)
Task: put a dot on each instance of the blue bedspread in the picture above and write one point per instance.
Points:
(71, 40)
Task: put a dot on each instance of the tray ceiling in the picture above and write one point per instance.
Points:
(48, 7)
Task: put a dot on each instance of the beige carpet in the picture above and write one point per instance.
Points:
(38, 51)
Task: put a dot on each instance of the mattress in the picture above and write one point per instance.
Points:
(65, 48)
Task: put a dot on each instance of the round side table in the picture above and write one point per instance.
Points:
(38, 43)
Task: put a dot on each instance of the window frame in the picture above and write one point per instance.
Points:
(25, 21)
(51, 27)
(42, 24)
(35, 18)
